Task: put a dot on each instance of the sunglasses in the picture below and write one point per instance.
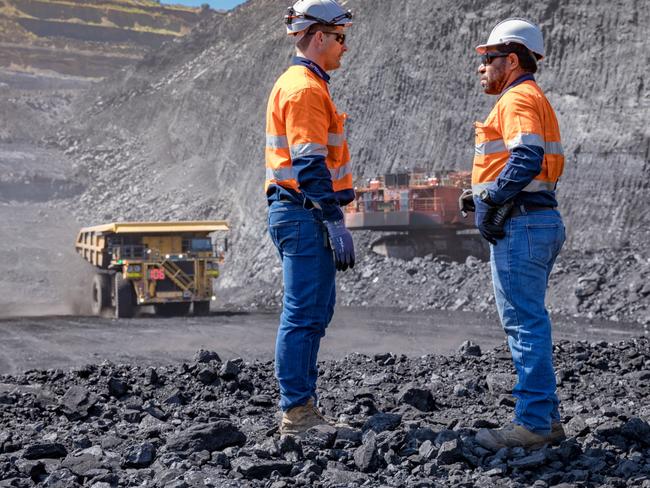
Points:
(487, 58)
(340, 37)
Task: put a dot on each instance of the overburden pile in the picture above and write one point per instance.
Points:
(408, 423)
(181, 135)
(610, 285)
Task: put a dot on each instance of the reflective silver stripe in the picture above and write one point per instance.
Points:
(276, 142)
(554, 148)
(490, 147)
(279, 174)
(533, 186)
(525, 140)
(536, 140)
(335, 139)
(308, 149)
(340, 172)
(539, 185)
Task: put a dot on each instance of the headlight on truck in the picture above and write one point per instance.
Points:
(134, 271)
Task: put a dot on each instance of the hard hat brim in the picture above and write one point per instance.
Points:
(481, 48)
(301, 31)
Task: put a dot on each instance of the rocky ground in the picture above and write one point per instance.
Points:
(411, 422)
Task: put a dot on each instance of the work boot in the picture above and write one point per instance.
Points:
(298, 420)
(514, 435)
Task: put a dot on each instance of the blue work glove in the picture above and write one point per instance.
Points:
(342, 244)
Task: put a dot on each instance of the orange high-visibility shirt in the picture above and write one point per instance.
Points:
(302, 123)
(520, 132)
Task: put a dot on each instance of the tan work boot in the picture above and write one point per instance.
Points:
(298, 420)
(514, 435)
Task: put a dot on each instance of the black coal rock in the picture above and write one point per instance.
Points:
(229, 370)
(366, 457)
(450, 452)
(382, 421)
(253, 468)
(139, 455)
(208, 437)
(117, 387)
(419, 398)
(52, 450)
(203, 356)
(469, 348)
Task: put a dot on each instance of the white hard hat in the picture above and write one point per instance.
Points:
(308, 12)
(520, 31)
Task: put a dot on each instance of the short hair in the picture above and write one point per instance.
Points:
(527, 58)
(304, 41)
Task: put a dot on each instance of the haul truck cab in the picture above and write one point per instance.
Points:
(170, 265)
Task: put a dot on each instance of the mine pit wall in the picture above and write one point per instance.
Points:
(410, 88)
(126, 18)
(120, 14)
(46, 28)
(86, 38)
(77, 63)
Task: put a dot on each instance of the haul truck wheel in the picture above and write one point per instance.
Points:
(201, 308)
(101, 293)
(124, 298)
(172, 309)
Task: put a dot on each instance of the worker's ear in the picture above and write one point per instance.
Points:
(514, 60)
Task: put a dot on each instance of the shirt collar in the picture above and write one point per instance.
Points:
(521, 79)
(308, 63)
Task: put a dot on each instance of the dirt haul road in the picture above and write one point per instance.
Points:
(65, 342)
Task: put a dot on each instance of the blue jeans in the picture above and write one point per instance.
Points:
(309, 296)
(521, 264)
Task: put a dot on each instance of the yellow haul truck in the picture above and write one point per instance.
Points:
(170, 265)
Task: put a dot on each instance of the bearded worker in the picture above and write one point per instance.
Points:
(308, 180)
(518, 161)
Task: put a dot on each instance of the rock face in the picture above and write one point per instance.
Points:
(217, 438)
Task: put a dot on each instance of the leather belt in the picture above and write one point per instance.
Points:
(519, 210)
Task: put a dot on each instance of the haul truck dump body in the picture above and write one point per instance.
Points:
(170, 265)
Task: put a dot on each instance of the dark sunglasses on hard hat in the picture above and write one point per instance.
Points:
(487, 58)
(340, 37)
(292, 14)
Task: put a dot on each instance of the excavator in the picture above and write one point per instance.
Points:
(417, 214)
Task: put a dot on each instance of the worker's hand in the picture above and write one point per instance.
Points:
(342, 244)
(487, 227)
(466, 202)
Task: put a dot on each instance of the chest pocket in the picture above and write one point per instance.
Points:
(487, 140)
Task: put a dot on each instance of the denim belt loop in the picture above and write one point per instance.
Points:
(522, 209)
